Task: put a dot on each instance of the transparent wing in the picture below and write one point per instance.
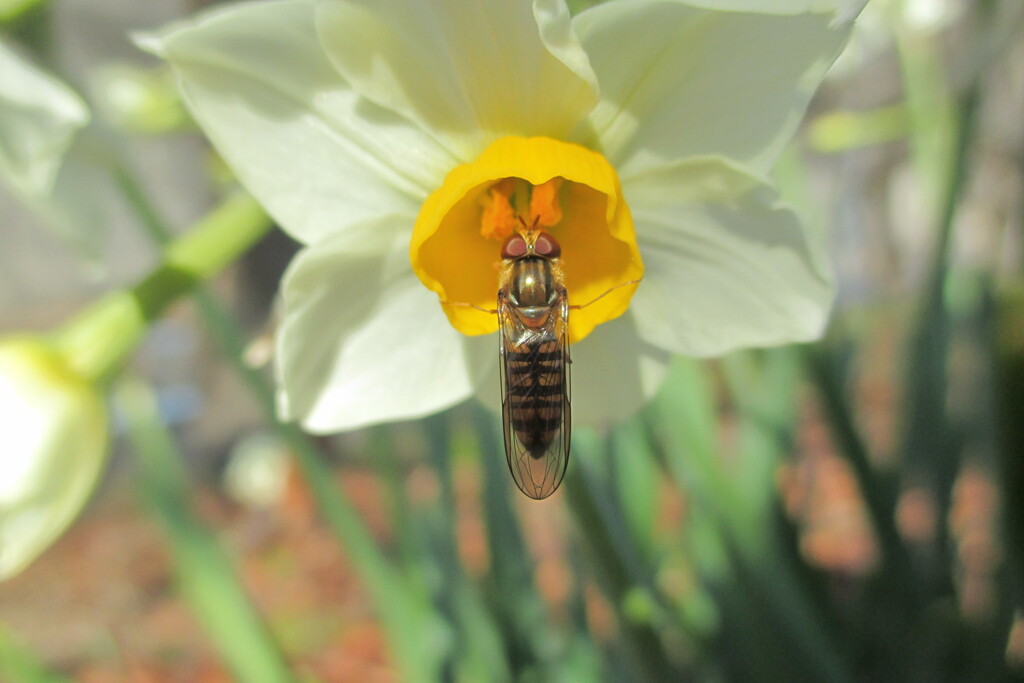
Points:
(535, 397)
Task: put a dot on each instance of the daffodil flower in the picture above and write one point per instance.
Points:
(54, 427)
(401, 140)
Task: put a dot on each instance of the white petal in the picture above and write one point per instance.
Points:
(678, 81)
(726, 265)
(613, 374)
(311, 150)
(54, 431)
(363, 341)
(39, 115)
(469, 70)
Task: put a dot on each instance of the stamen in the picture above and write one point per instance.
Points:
(509, 202)
(545, 210)
(498, 220)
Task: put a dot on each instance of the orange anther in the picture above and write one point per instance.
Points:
(499, 219)
(545, 211)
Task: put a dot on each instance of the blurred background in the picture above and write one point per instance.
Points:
(851, 510)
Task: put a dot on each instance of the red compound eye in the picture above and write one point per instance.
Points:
(546, 245)
(514, 247)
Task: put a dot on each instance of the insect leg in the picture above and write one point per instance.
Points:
(492, 311)
(595, 300)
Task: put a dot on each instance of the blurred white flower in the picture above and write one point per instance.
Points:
(136, 99)
(39, 116)
(53, 444)
(41, 159)
(257, 471)
(375, 131)
(931, 15)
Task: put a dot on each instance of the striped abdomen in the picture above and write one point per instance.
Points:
(536, 378)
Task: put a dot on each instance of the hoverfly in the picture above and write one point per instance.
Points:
(533, 346)
(533, 333)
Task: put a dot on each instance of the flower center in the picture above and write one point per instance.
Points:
(519, 184)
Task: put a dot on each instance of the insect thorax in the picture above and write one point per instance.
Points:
(532, 285)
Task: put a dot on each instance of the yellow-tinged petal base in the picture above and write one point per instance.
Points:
(54, 429)
(456, 242)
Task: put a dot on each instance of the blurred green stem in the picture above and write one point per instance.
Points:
(10, 10)
(409, 539)
(878, 492)
(763, 386)
(929, 446)
(1007, 353)
(99, 339)
(205, 574)
(402, 607)
(20, 665)
(480, 651)
(518, 606)
(616, 562)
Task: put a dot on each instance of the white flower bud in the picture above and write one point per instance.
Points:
(53, 445)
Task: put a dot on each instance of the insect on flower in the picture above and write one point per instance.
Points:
(533, 346)
(402, 125)
(533, 320)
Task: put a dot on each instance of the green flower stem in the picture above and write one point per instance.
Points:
(12, 9)
(97, 342)
(879, 492)
(764, 387)
(513, 593)
(204, 572)
(403, 609)
(19, 664)
(1007, 352)
(930, 446)
(616, 565)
